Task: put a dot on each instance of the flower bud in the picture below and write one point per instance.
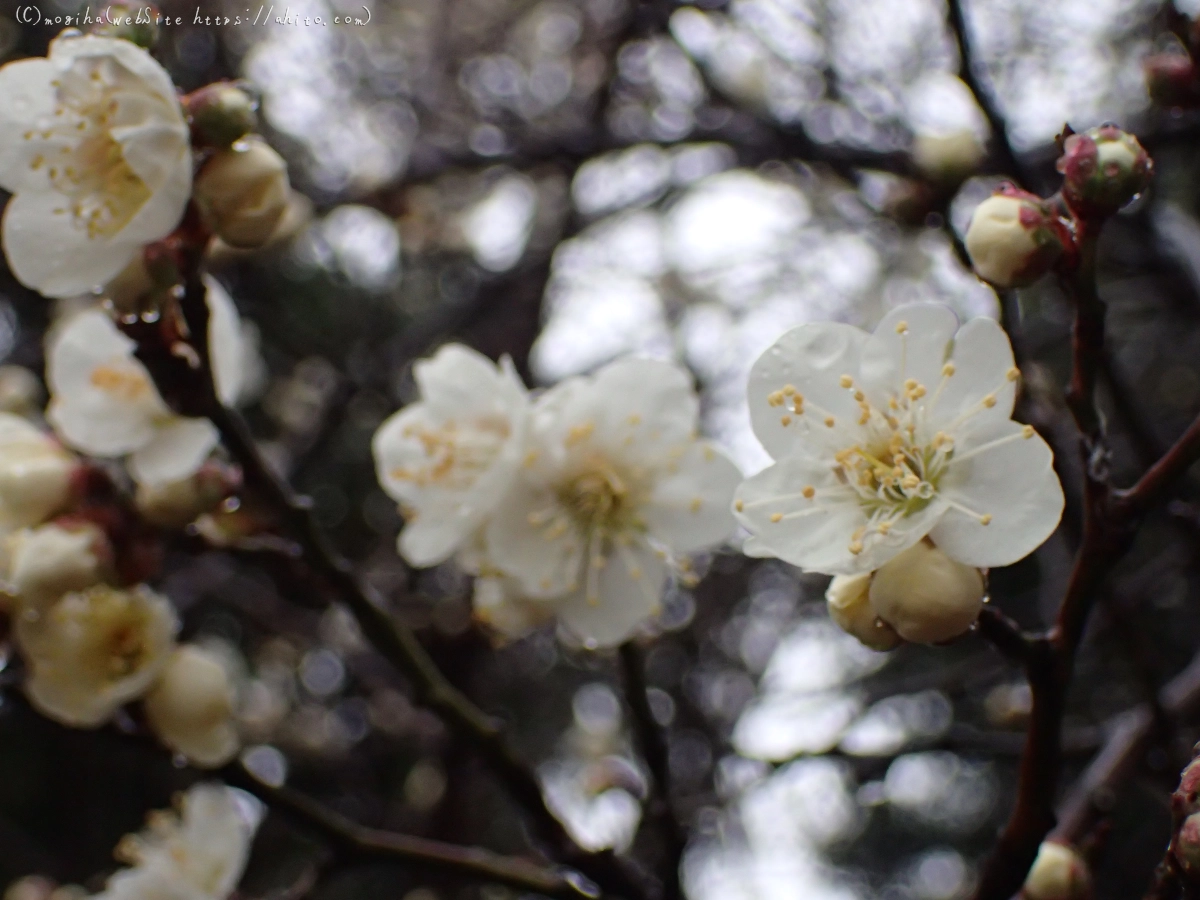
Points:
(1171, 79)
(20, 391)
(1058, 873)
(221, 113)
(1013, 238)
(131, 20)
(45, 563)
(926, 596)
(35, 473)
(242, 192)
(1186, 845)
(191, 708)
(948, 157)
(1103, 169)
(1186, 799)
(173, 504)
(850, 607)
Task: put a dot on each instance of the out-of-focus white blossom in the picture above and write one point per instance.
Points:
(104, 402)
(948, 156)
(95, 650)
(35, 473)
(242, 192)
(20, 391)
(42, 564)
(190, 708)
(449, 458)
(926, 596)
(849, 603)
(612, 479)
(96, 151)
(198, 852)
(883, 439)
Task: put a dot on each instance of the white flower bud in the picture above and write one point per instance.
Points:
(173, 504)
(850, 607)
(20, 391)
(1012, 239)
(1058, 873)
(1186, 845)
(35, 473)
(191, 708)
(926, 596)
(45, 563)
(94, 651)
(243, 192)
(949, 156)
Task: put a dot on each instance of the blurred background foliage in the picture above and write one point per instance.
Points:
(565, 181)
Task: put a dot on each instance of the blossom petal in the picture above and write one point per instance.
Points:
(532, 538)
(815, 533)
(28, 97)
(913, 341)
(812, 359)
(67, 48)
(225, 343)
(629, 588)
(177, 450)
(107, 416)
(635, 410)
(983, 361)
(1010, 478)
(458, 382)
(50, 253)
(688, 510)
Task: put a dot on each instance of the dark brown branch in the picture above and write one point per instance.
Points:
(1130, 736)
(1006, 158)
(353, 841)
(1157, 480)
(652, 743)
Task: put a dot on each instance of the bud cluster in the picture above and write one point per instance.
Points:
(1015, 237)
(921, 595)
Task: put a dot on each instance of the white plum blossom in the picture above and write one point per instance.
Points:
(449, 458)
(612, 480)
(96, 152)
(196, 853)
(41, 564)
(883, 439)
(94, 651)
(190, 708)
(104, 402)
(35, 473)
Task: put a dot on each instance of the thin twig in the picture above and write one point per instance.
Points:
(354, 841)
(653, 745)
(1004, 634)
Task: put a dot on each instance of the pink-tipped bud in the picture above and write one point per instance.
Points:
(1186, 845)
(1014, 238)
(1058, 873)
(221, 113)
(1103, 169)
(1171, 79)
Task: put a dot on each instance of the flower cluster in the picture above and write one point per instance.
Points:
(197, 852)
(91, 646)
(898, 468)
(573, 505)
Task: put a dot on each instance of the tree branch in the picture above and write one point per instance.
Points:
(354, 841)
(652, 743)
(1005, 634)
